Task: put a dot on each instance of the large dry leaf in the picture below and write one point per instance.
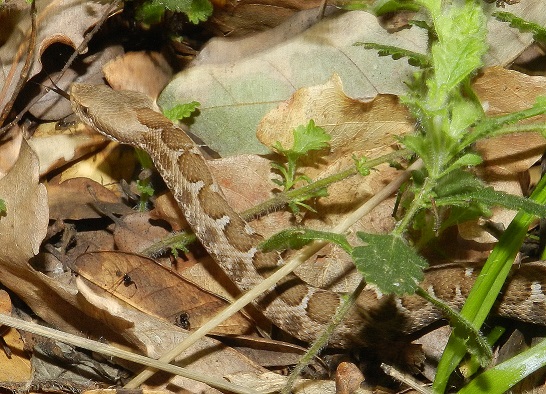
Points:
(368, 128)
(57, 146)
(22, 230)
(241, 17)
(156, 290)
(155, 337)
(234, 96)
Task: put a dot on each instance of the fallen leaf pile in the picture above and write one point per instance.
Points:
(71, 241)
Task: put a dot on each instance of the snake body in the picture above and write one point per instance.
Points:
(297, 308)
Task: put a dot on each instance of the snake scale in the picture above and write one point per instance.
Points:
(297, 308)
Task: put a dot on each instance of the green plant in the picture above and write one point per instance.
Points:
(450, 119)
(152, 11)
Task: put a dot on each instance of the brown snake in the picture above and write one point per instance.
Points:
(297, 308)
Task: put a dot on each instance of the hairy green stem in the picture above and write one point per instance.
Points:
(279, 201)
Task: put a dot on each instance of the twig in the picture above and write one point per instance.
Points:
(405, 378)
(112, 351)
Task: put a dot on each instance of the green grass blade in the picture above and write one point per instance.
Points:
(487, 287)
(505, 375)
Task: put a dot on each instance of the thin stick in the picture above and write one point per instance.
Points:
(112, 351)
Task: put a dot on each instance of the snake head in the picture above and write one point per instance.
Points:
(111, 112)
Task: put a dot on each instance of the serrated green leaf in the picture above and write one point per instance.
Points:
(458, 53)
(464, 114)
(181, 111)
(468, 159)
(492, 197)
(196, 10)
(149, 12)
(308, 138)
(389, 263)
(539, 32)
(457, 182)
(413, 58)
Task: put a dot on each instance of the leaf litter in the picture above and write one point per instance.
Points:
(113, 296)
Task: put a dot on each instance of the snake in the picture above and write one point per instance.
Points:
(294, 306)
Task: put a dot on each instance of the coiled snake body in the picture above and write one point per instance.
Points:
(299, 309)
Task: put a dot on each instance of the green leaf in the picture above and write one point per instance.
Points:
(456, 183)
(382, 7)
(3, 207)
(492, 197)
(389, 263)
(149, 12)
(181, 111)
(502, 377)
(360, 164)
(296, 238)
(196, 10)
(477, 344)
(466, 160)
(464, 114)
(414, 58)
(487, 286)
(462, 31)
(539, 32)
(306, 138)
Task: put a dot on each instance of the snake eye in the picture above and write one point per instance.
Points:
(85, 111)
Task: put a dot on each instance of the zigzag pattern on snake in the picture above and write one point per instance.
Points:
(299, 309)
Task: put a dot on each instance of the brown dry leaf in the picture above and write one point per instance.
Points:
(145, 72)
(357, 128)
(348, 378)
(9, 151)
(56, 146)
(166, 208)
(271, 382)
(136, 231)
(14, 362)
(106, 167)
(237, 18)
(226, 49)
(17, 367)
(155, 337)
(368, 127)
(63, 21)
(21, 232)
(75, 199)
(155, 290)
(504, 91)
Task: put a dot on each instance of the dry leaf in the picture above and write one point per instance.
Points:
(155, 290)
(155, 337)
(235, 96)
(106, 167)
(57, 146)
(238, 18)
(145, 72)
(501, 92)
(77, 198)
